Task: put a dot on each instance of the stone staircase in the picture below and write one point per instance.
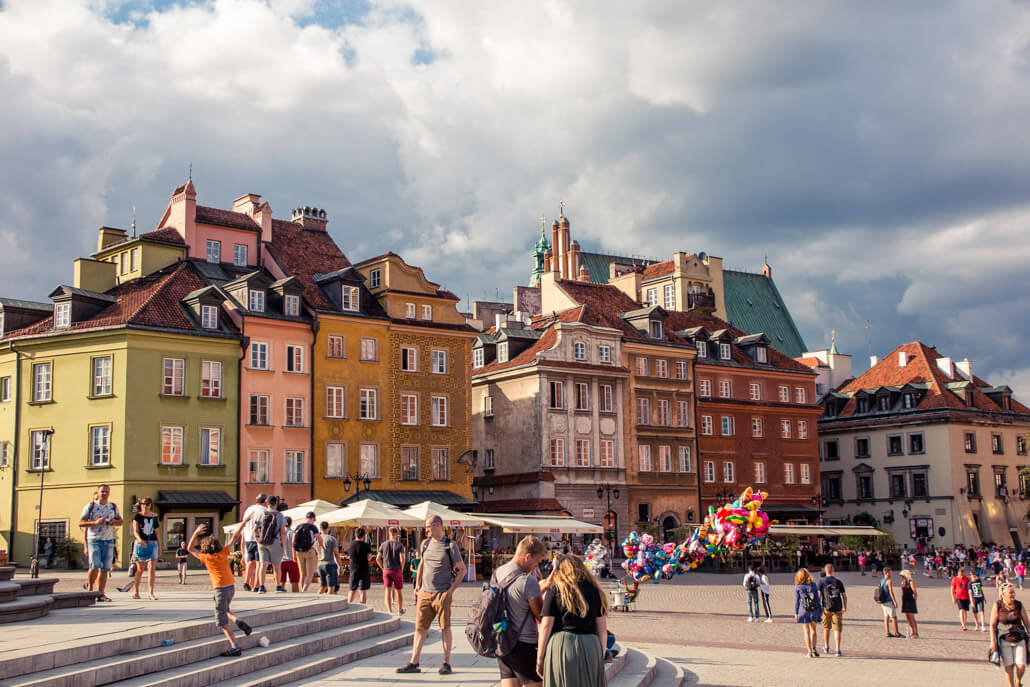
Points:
(305, 639)
(28, 599)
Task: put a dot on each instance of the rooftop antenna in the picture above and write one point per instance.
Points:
(190, 178)
(869, 337)
(133, 221)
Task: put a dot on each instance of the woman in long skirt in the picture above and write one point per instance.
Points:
(573, 628)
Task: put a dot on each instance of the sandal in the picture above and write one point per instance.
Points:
(103, 597)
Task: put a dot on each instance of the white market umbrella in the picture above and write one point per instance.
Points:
(368, 513)
(451, 518)
(297, 513)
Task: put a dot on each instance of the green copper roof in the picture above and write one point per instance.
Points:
(754, 304)
(598, 264)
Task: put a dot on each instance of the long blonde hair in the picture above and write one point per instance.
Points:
(568, 573)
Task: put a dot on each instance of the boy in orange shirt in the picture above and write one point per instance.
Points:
(215, 558)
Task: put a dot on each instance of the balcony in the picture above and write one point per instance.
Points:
(699, 300)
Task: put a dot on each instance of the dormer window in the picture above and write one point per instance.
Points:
(761, 354)
(257, 301)
(349, 298)
(374, 278)
(725, 353)
(214, 251)
(209, 317)
(291, 305)
(702, 349)
(657, 331)
(604, 353)
(883, 403)
(863, 405)
(410, 308)
(239, 255)
(427, 312)
(502, 352)
(579, 350)
(62, 315)
(909, 401)
(477, 358)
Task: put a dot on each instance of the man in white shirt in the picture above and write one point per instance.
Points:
(250, 547)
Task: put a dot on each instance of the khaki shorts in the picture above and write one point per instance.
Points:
(833, 620)
(889, 610)
(432, 605)
(307, 561)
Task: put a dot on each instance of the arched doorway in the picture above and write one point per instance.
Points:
(669, 523)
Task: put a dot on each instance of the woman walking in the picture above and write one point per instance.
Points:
(763, 581)
(573, 628)
(908, 603)
(1009, 625)
(148, 547)
(808, 608)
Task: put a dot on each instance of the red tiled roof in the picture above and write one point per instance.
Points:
(151, 301)
(166, 235)
(679, 321)
(605, 305)
(522, 506)
(811, 362)
(303, 253)
(920, 367)
(545, 342)
(226, 218)
(659, 269)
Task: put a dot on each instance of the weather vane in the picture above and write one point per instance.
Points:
(561, 208)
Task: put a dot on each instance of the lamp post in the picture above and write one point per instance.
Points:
(608, 492)
(359, 480)
(44, 464)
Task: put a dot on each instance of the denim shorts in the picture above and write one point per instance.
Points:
(978, 603)
(329, 575)
(101, 554)
(147, 551)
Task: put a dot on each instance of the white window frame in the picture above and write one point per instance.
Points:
(368, 459)
(102, 375)
(259, 355)
(656, 329)
(686, 460)
(335, 459)
(335, 346)
(760, 474)
(440, 411)
(664, 458)
(788, 473)
(213, 251)
(754, 390)
(725, 351)
(134, 259)
(409, 410)
(100, 445)
(477, 358)
(761, 354)
(709, 471)
(174, 380)
(5, 454)
(584, 459)
(43, 382)
(410, 311)
(488, 406)
(785, 429)
(729, 470)
(643, 410)
(683, 413)
(663, 408)
(702, 348)
(350, 298)
(212, 436)
(726, 422)
(335, 402)
(368, 404)
(800, 395)
(489, 459)
(652, 297)
(208, 317)
(441, 456)
(239, 254)
(258, 404)
(802, 429)
(604, 354)
(291, 305)
(661, 368)
(642, 370)
(375, 278)
(211, 376)
(582, 396)
(681, 369)
(5, 389)
(805, 473)
(62, 315)
(606, 398)
(295, 359)
(502, 352)
(607, 457)
(704, 388)
(256, 300)
(669, 296)
(725, 389)
(556, 395)
(579, 350)
(557, 453)
(645, 461)
(707, 426)
(295, 468)
(427, 312)
(172, 440)
(409, 359)
(438, 361)
(784, 392)
(369, 349)
(40, 448)
(257, 465)
(291, 417)
(757, 429)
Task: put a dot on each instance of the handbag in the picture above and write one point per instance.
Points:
(994, 657)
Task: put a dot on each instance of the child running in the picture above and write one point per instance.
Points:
(215, 558)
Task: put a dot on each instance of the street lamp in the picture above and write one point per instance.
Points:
(608, 491)
(44, 464)
(359, 480)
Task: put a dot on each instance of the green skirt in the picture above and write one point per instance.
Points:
(574, 660)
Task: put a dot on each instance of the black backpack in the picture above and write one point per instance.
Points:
(268, 531)
(752, 583)
(302, 539)
(880, 595)
(832, 599)
(808, 600)
(489, 630)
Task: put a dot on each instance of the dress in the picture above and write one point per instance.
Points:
(807, 616)
(908, 598)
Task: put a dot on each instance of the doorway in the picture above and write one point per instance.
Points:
(669, 523)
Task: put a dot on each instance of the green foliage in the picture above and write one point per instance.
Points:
(865, 518)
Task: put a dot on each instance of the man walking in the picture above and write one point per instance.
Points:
(440, 573)
(360, 555)
(100, 517)
(250, 547)
(835, 605)
(304, 538)
(391, 559)
(752, 584)
(960, 593)
(524, 605)
(270, 532)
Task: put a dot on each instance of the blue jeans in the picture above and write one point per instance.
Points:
(752, 603)
(101, 554)
(329, 575)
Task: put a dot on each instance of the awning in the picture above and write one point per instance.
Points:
(176, 500)
(530, 524)
(792, 508)
(826, 531)
(451, 518)
(403, 498)
(368, 513)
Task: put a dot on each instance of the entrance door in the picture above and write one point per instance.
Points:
(1015, 539)
(668, 525)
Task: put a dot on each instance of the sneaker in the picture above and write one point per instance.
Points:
(246, 586)
(837, 653)
(410, 668)
(262, 590)
(750, 619)
(235, 651)
(826, 649)
(445, 669)
(245, 627)
(280, 590)
(768, 620)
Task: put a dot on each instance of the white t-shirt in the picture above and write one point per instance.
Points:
(95, 510)
(248, 530)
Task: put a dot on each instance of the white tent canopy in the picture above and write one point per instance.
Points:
(368, 513)
(451, 518)
(297, 513)
(537, 524)
(826, 530)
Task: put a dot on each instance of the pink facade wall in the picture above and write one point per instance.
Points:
(228, 237)
(277, 384)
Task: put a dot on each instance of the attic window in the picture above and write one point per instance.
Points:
(62, 315)
(702, 349)
(502, 352)
(257, 301)
(349, 298)
(761, 354)
(657, 332)
(477, 358)
(291, 305)
(374, 278)
(883, 403)
(863, 405)
(725, 353)
(214, 251)
(209, 317)
(579, 350)
(909, 401)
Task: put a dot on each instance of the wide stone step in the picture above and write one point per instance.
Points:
(25, 608)
(639, 670)
(9, 591)
(33, 587)
(14, 664)
(669, 674)
(300, 671)
(7, 573)
(74, 599)
(148, 662)
(255, 658)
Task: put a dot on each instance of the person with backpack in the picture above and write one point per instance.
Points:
(100, 517)
(835, 604)
(440, 573)
(763, 579)
(269, 533)
(305, 536)
(391, 559)
(250, 548)
(808, 608)
(908, 603)
(289, 569)
(752, 585)
(883, 594)
(960, 593)
(521, 605)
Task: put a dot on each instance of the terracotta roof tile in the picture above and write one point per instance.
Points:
(166, 235)
(226, 218)
(689, 320)
(303, 253)
(545, 342)
(659, 269)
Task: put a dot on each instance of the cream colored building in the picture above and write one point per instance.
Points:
(929, 450)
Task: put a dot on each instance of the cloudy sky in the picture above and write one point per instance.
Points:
(877, 152)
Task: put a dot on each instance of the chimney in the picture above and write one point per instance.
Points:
(965, 367)
(94, 275)
(263, 216)
(584, 273)
(556, 247)
(109, 236)
(902, 358)
(500, 319)
(574, 260)
(947, 367)
(874, 360)
(182, 211)
(247, 204)
(310, 218)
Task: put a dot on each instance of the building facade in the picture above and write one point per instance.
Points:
(928, 451)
